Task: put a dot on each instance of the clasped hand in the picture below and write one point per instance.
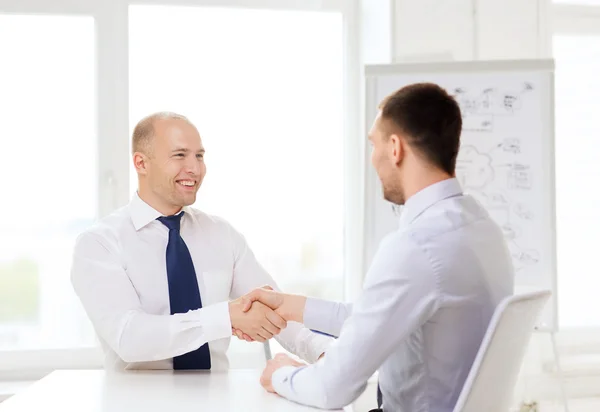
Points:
(268, 309)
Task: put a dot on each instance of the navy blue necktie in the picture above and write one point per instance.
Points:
(184, 294)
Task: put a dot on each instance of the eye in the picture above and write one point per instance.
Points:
(200, 156)
(179, 155)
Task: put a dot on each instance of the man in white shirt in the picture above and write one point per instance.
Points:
(431, 289)
(155, 277)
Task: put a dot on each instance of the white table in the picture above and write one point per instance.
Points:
(238, 390)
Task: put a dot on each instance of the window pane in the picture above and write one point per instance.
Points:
(49, 194)
(267, 100)
(578, 201)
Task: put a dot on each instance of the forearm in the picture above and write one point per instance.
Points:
(140, 337)
(325, 316)
(302, 342)
(312, 385)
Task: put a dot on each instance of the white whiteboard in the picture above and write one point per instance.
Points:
(506, 159)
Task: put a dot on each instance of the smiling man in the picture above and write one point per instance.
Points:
(155, 277)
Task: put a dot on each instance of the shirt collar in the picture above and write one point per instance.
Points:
(425, 198)
(142, 213)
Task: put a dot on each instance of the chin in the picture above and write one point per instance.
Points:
(189, 202)
(395, 198)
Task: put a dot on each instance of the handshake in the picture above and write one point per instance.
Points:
(263, 313)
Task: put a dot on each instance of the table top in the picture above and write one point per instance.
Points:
(148, 391)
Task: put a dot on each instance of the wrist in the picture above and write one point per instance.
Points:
(296, 308)
(234, 309)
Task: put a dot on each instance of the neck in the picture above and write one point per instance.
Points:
(156, 203)
(421, 177)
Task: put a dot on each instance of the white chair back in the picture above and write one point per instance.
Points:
(490, 384)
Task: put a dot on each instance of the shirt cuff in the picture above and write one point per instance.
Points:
(282, 381)
(319, 345)
(216, 322)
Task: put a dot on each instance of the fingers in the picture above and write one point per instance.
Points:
(265, 333)
(258, 324)
(241, 335)
(270, 328)
(246, 303)
(266, 296)
(249, 298)
(276, 320)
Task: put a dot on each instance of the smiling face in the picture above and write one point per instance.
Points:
(172, 168)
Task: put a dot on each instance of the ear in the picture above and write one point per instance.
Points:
(396, 148)
(140, 162)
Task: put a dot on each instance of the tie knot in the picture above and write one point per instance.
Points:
(172, 222)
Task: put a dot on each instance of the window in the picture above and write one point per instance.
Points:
(64, 103)
(578, 201)
(267, 99)
(48, 168)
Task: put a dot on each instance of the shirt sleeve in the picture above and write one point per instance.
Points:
(326, 316)
(111, 302)
(249, 274)
(400, 295)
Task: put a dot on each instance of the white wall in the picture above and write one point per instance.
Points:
(471, 29)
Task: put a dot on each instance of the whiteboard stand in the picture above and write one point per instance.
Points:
(267, 348)
(561, 379)
(559, 371)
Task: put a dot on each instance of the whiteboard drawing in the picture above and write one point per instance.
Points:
(474, 169)
(519, 177)
(511, 145)
(478, 122)
(511, 232)
(523, 211)
(479, 107)
(522, 258)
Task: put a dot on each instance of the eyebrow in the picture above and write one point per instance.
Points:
(181, 149)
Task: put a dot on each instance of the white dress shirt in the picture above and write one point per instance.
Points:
(119, 273)
(427, 301)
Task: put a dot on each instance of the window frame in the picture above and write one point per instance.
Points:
(112, 125)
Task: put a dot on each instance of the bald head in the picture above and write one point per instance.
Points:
(141, 141)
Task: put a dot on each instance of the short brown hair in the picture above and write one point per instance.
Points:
(431, 120)
(144, 130)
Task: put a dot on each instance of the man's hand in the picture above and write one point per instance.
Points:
(241, 335)
(259, 323)
(289, 307)
(280, 360)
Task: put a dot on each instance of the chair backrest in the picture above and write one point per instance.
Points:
(490, 384)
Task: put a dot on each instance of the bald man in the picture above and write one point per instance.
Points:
(161, 281)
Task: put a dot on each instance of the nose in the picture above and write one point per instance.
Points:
(193, 166)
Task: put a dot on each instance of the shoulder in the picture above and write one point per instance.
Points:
(208, 221)
(399, 251)
(105, 232)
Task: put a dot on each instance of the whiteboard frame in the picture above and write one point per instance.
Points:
(373, 72)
